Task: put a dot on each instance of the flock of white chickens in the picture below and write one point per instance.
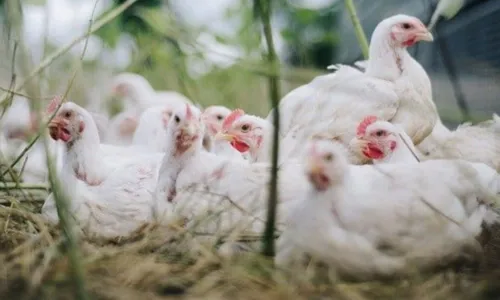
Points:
(370, 181)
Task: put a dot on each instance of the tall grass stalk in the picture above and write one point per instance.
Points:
(66, 221)
(358, 29)
(263, 8)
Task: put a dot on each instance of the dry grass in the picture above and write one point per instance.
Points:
(159, 264)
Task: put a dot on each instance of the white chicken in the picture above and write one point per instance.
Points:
(233, 192)
(139, 95)
(393, 88)
(248, 134)
(476, 143)
(377, 220)
(383, 142)
(110, 196)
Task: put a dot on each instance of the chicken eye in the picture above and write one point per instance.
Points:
(329, 157)
(406, 25)
(219, 117)
(67, 114)
(177, 119)
(245, 127)
(380, 133)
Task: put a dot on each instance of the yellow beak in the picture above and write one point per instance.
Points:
(190, 130)
(224, 136)
(426, 36)
(358, 144)
(315, 166)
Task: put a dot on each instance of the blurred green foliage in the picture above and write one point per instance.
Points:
(162, 36)
(130, 21)
(311, 35)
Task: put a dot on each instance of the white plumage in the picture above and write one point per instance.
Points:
(378, 220)
(197, 182)
(476, 143)
(391, 89)
(163, 159)
(110, 195)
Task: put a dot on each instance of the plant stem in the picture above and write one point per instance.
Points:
(360, 34)
(68, 229)
(51, 58)
(20, 186)
(264, 9)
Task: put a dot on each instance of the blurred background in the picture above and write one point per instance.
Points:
(212, 50)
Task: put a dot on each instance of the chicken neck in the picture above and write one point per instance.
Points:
(84, 157)
(172, 164)
(386, 61)
(404, 152)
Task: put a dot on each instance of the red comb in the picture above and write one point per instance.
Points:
(364, 124)
(233, 116)
(54, 103)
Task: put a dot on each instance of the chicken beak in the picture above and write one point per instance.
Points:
(315, 168)
(316, 175)
(358, 144)
(224, 137)
(425, 35)
(55, 123)
(54, 126)
(189, 130)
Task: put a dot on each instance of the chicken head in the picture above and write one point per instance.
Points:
(67, 125)
(375, 139)
(405, 30)
(213, 117)
(326, 162)
(187, 128)
(244, 132)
